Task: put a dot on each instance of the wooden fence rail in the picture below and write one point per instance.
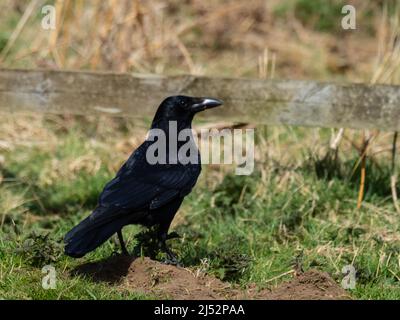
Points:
(303, 103)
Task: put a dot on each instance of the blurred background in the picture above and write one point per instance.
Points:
(308, 205)
(297, 39)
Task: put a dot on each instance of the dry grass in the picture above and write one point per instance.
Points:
(214, 38)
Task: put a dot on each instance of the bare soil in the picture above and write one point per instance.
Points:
(166, 281)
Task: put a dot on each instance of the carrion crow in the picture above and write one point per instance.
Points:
(143, 192)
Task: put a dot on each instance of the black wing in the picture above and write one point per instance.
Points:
(139, 185)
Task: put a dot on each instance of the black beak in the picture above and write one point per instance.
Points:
(206, 103)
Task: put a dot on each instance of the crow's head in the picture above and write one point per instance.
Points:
(183, 108)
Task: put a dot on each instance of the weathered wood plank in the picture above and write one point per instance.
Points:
(304, 103)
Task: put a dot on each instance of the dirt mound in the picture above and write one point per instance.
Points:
(146, 275)
(166, 281)
(311, 285)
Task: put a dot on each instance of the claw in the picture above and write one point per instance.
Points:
(171, 257)
(173, 261)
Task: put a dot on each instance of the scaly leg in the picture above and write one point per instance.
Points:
(165, 216)
(171, 256)
(121, 241)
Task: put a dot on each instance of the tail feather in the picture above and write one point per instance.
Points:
(91, 233)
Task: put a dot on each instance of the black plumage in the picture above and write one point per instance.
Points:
(141, 192)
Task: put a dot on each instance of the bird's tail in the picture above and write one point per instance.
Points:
(92, 232)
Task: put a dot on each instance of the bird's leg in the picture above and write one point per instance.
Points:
(166, 215)
(163, 237)
(171, 257)
(121, 241)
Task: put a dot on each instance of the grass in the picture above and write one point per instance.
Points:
(286, 214)
(320, 15)
(297, 210)
(180, 38)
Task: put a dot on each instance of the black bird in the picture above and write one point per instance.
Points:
(141, 192)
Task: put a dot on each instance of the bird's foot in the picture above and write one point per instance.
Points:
(124, 252)
(122, 243)
(173, 262)
(120, 253)
(173, 235)
(172, 259)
